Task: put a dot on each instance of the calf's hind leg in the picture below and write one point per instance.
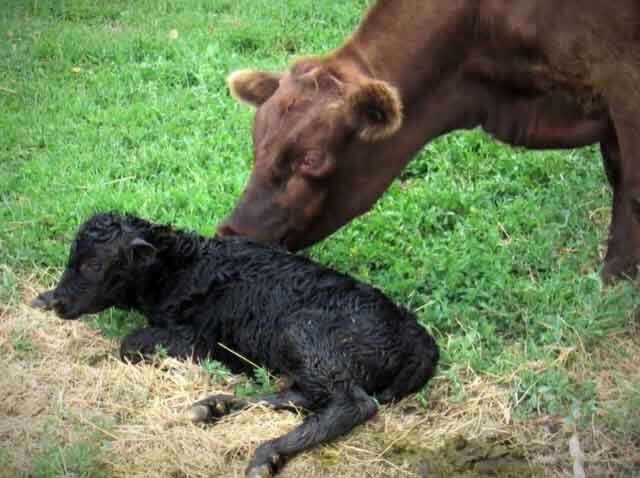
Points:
(345, 410)
(309, 356)
(417, 369)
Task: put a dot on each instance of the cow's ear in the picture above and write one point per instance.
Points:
(377, 110)
(253, 87)
(141, 253)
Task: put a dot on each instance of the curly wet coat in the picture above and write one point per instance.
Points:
(339, 341)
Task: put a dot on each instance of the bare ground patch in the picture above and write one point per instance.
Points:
(62, 383)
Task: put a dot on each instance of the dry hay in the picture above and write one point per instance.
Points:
(73, 387)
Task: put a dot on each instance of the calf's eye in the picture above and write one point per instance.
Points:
(317, 165)
(89, 266)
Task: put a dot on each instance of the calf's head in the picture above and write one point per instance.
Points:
(107, 256)
(309, 123)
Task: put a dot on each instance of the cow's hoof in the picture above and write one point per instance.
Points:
(619, 268)
(262, 471)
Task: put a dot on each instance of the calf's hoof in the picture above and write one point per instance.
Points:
(133, 356)
(262, 471)
(265, 462)
(212, 408)
(618, 268)
(199, 413)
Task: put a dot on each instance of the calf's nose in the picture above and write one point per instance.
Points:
(46, 300)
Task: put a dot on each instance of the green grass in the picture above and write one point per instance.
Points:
(8, 286)
(22, 346)
(76, 455)
(116, 323)
(623, 416)
(216, 370)
(5, 458)
(496, 248)
(261, 384)
(80, 459)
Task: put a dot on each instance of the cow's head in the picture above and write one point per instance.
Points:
(106, 258)
(308, 122)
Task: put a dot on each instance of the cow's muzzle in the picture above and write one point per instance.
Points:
(227, 230)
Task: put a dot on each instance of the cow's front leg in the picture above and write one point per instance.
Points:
(619, 261)
(622, 165)
(179, 342)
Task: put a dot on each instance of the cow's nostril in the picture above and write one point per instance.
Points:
(225, 230)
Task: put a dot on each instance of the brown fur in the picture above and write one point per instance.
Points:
(533, 73)
(252, 87)
(378, 107)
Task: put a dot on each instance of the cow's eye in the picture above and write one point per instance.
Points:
(317, 165)
(284, 160)
(90, 266)
(311, 159)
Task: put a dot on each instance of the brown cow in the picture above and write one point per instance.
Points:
(332, 132)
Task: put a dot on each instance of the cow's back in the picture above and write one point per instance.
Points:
(572, 44)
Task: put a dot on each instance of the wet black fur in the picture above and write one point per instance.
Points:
(339, 341)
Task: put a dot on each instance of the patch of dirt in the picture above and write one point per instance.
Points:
(466, 458)
(69, 382)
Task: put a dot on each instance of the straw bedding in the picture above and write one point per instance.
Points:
(62, 383)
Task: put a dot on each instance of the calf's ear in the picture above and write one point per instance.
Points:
(141, 253)
(376, 109)
(253, 87)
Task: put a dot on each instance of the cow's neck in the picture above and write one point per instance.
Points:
(412, 44)
(433, 53)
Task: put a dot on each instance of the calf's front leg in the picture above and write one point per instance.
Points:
(179, 342)
(216, 406)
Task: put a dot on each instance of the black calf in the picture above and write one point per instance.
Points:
(339, 341)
